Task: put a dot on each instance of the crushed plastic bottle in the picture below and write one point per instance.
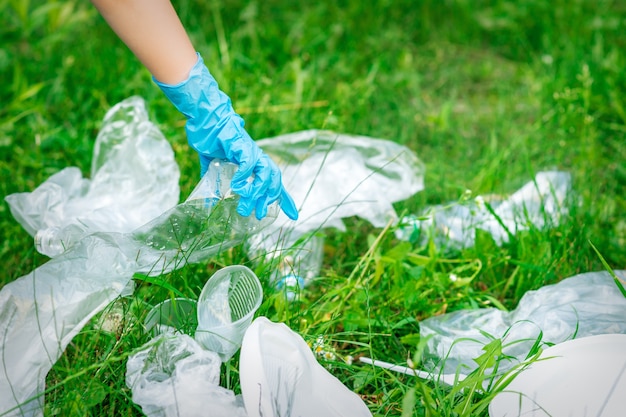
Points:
(54, 241)
(206, 223)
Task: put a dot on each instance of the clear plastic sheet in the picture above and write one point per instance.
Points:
(332, 176)
(172, 375)
(134, 178)
(540, 203)
(171, 316)
(42, 311)
(583, 305)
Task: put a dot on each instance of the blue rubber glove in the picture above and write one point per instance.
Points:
(214, 130)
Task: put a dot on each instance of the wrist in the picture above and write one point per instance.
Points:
(198, 94)
(213, 128)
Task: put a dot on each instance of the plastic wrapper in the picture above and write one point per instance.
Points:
(540, 203)
(332, 176)
(134, 178)
(172, 375)
(42, 311)
(281, 377)
(583, 305)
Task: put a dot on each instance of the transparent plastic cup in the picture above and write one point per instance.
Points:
(226, 307)
(172, 315)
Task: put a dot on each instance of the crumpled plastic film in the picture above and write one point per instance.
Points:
(42, 311)
(172, 375)
(281, 377)
(134, 178)
(539, 203)
(583, 305)
(332, 176)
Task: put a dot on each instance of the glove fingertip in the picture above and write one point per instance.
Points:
(244, 208)
(241, 177)
(288, 205)
(261, 211)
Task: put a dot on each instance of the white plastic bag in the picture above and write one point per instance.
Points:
(332, 176)
(172, 375)
(41, 312)
(134, 178)
(583, 305)
(281, 377)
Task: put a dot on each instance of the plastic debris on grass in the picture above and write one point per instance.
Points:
(134, 178)
(173, 375)
(540, 204)
(281, 377)
(332, 176)
(125, 221)
(100, 232)
(42, 311)
(583, 305)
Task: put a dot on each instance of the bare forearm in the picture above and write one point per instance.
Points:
(153, 31)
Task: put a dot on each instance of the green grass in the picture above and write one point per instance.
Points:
(487, 93)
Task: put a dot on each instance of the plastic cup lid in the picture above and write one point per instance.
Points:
(581, 377)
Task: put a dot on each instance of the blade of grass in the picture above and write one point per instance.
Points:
(617, 280)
